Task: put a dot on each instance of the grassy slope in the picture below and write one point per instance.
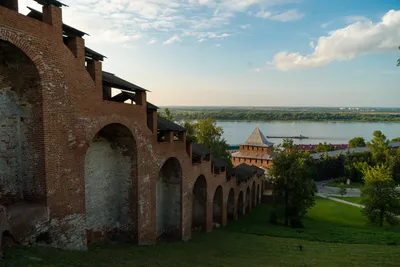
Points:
(328, 221)
(242, 243)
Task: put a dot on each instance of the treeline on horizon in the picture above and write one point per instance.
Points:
(282, 115)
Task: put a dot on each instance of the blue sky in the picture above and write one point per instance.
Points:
(248, 52)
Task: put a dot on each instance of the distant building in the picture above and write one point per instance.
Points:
(337, 153)
(257, 150)
(311, 147)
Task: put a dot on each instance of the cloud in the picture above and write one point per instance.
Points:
(263, 14)
(288, 15)
(202, 36)
(326, 24)
(267, 66)
(152, 41)
(246, 26)
(126, 21)
(352, 19)
(357, 39)
(173, 39)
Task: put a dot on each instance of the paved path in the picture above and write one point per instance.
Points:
(334, 191)
(341, 200)
(327, 190)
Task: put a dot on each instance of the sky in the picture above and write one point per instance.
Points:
(247, 52)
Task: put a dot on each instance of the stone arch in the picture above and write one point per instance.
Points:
(231, 204)
(218, 202)
(7, 240)
(28, 48)
(22, 167)
(253, 194)
(110, 178)
(258, 194)
(199, 207)
(169, 200)
(248, 200)
(240, 204)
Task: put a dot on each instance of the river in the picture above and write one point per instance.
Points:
(236, 132)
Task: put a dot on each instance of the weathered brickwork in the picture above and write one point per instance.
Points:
(168, 198)
(108, 182)
(22, 162)
(84, 169)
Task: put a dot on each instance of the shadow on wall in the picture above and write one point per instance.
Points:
(169, 205)
(199, 214)
(217, 207)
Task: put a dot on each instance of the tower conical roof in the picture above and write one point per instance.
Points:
(257, 138)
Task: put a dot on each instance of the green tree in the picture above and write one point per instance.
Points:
(342, 189)
(294, 188)
(191, 129)
(357, 142)
(395, 164)
(379, 195)
(208, 134)
(167, 114)
(379, 149)
(397, 139)
(354, 163)
(382, 154)
(324, 147)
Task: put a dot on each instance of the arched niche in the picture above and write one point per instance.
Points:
(110, 175)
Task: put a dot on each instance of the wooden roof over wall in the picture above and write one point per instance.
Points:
(93, 54)
(245, 171)
(110, 79)
(123, 96)
(218, 163)
(199, 150)
(50, 2)
(166, 125)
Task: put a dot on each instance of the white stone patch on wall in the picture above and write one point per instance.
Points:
(69, 232)
(108, 186)
(21, 158)
(168, 194)
(16, 173)
(8, 143)
(173, 216)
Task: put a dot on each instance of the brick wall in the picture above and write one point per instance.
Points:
(75, 156)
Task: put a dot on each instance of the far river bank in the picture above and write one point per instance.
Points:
(236, 132)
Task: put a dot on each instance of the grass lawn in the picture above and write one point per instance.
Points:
(327, 221)
(357, 200)
(250, 241)
(352, 185)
